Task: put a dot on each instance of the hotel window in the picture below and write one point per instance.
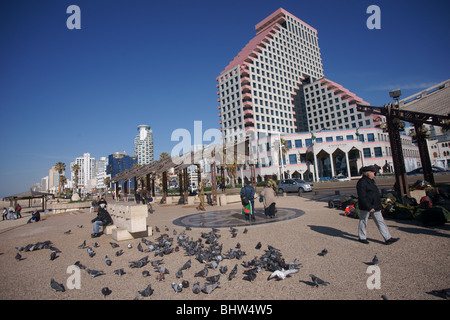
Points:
(370, 137)
(378, 152)
(298, 143)
(366, 152)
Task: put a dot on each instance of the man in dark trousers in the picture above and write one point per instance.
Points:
(369, 202)
(103, 219)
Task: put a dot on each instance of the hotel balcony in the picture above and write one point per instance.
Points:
(247, 104)
(248, 112)
(246, 88)
(246, 96)
(249, 121)
(245, 80)
(220, 114)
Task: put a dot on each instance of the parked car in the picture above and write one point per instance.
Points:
(433, 168)
(291, 185)
(340, 177)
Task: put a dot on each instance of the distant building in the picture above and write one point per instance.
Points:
(101, 165)
(118, 162)
(87, 174)
(143, 145)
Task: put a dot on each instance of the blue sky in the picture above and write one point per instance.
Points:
(65, 92)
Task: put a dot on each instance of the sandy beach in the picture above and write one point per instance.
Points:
(408, 269)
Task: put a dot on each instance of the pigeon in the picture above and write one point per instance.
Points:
(282, 274)
(146, 273)
(250, 275)
(203, 273)
(245, 230)
(196, 288)
(119, 272)
(233, 273)
(80, 226)
(187, 265)
(213, 279)
(94, 273)
(318, 282)
(68, 232)
(156, 229)
(375, 260)
(258, 246)
(383, 296)
(223, 269)
(185, 284)
(108, 260)
(210, 287)
(156, 263)
(162, 270)
(323, 252)
(129, 246)
(139, 247)
(114, 245)
(119, 252)
(53, 255)
(139, 263)
(79, 265)
(58, 287)
(174, 232)
(95, 245)
(18, 257)
(90, 252)
(179, 274)
(443, 293)
(83, 245)
(177, 287)
(106, 291)
(147, 292)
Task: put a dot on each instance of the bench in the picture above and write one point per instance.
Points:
(129, 221)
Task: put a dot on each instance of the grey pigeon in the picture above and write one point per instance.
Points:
(146, 273)
(68, 231)
(318, 282)
(187, 265)
(119, 252)
(58, 287)
(213, 279)
(210, 287)
(196, 288)
(147, 292)
(83, 245)
(18, 257)
(106, 291)
(119, 272)
(79, 265)
(108, 260)
(233, 273)
(53, 255)
(177, 287)
(139, 263)
(258, 246)
(139, 247)
(323, 252)
(95, 245)
(179, 274)
(375, 260)
(203, 273)
(185, 284)
(90, 252)
(223, 269)
(94, 273)
(282, 274)
(245, 230)
(114, 245)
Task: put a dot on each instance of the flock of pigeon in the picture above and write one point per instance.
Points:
(206, 250)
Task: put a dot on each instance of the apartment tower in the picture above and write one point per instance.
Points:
(143, 144)
(257, 89)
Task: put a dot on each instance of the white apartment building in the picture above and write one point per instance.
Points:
(257, 89)
(101, 172)
(87, 174)
(143, 145)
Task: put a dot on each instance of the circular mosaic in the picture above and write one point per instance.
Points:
(234, 218)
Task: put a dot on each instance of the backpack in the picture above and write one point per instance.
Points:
(244, 198)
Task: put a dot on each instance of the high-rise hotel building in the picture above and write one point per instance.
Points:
(276, 84)
(143, 144)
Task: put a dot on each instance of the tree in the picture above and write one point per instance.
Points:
(75, 169)
(61, 168)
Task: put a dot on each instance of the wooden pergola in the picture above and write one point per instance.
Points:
(431, 106)
(211, 154)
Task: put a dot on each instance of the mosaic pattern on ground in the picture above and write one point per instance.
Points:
(234, 218)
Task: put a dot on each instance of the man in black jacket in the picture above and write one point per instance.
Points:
(102, 219)
(369, 202)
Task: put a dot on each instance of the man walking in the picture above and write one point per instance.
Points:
(369, 202)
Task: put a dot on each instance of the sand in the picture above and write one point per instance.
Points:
(408, 269)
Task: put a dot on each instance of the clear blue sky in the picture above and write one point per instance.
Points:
(65, 92)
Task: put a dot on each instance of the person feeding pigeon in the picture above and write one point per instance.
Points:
(102, 219)
(369, 202)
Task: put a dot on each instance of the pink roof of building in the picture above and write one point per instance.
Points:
(265, 29)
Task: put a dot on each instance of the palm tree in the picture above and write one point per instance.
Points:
(75, 169)
(61, 168)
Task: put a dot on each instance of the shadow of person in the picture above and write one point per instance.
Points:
(333, 232)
